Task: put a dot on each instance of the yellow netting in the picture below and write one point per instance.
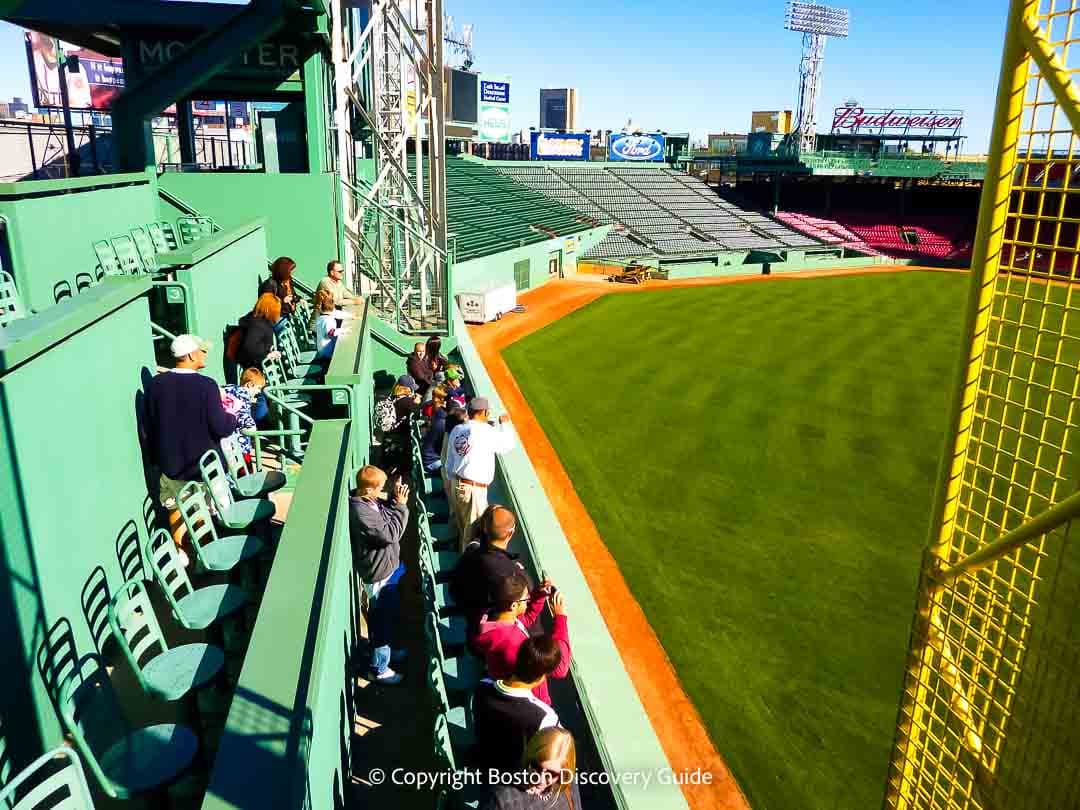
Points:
(987, 717)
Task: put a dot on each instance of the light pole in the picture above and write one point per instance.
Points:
(815, 22)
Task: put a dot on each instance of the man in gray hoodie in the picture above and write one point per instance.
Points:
(376, 528)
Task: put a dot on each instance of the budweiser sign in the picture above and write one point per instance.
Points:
(859, 119)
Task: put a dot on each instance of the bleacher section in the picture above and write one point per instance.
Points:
(657, 211)
(488, 212)
(915, 236)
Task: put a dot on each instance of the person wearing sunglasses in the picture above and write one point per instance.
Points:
(548, 777)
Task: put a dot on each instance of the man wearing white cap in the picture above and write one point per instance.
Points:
(470, 462)
(184, 419)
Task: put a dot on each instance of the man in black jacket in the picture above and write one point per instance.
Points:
(484, 564)
(376, 528)
(184, 419)
(419, 368)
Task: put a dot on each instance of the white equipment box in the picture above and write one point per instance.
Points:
(487, 305)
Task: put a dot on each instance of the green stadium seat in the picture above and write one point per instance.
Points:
(55, 773)
(192, 229)
(195, 609)
(164, 672)
(129, 552)
(213, 552)
(126, 762)
(145, 247)
(247, 482)
(234, 514)
(95, 599)
(127, 255)
(108, 263)
(160, 237)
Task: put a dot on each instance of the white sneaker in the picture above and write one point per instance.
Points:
(184, 561)
(388, 677)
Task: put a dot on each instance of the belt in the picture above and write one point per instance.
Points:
(471, 483)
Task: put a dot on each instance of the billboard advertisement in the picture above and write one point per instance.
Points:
(861, 121)
(636, 148)
(559, 146)
(99, 79)
(494, 123)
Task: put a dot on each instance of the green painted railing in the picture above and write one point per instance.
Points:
(352, 366)
(287, 734)
(625, 739)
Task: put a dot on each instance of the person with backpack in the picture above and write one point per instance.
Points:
(392, 415)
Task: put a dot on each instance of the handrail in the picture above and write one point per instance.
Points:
(186, 207)
(1041, 524)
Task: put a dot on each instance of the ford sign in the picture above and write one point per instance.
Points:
(638, 148)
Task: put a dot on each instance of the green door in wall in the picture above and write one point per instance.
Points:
(521, 275)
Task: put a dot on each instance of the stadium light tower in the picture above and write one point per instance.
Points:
(815, 22)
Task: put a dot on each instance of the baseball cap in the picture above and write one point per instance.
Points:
(479, 404)
(453, 374)
(184, 345)
(407, 381)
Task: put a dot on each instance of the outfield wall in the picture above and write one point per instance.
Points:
(499, 268)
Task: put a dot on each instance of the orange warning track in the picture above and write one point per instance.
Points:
(677, 723)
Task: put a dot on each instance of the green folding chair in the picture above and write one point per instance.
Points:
(144, 245)
(214, 553)
(53, 781)
(462, 671)
(126, 762)
(11, 305)
(108, 263)
(248, 482)
(195, 609)
(192, 229)
(234, 514)
(167, 673)
(128, 255)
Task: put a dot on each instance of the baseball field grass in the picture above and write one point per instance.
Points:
(760, 460)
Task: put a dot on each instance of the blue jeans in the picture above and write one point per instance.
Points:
(384, 603)
(327, 351)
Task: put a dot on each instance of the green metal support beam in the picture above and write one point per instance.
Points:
(207, 56)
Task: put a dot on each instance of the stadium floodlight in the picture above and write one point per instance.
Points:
(812, 18)
(815, 22)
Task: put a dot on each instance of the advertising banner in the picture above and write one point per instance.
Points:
(856, 120)
(636, 148)
(559, 146)
(98, 80)
(493, 125)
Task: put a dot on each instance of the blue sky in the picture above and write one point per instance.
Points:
(703, 66)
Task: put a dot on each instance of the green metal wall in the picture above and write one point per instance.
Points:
(298, 209)
(487, 271)
(223, 278)
(52, 225)
(71, 475)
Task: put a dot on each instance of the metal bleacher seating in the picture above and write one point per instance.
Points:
(660, 211)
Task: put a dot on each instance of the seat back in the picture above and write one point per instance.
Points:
(144, 245)
(135, 626)
(437, 685)
(83, 281)
(61, 290)
(95, 604)
(444, 748)
(213, 475)
(129, 552)
(157, 236)
(127, 255)
(290, 351)
(11, 307)
(167, 568)
(54, 780)
(196, 515)
(108, 263)
(90, 712)
(192, 229)
(234, 457)
(56, 658)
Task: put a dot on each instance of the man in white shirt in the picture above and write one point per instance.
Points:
(470, 463)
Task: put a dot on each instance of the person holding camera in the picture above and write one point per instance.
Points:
(470, 463)
(375, 529)
(509, 624)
